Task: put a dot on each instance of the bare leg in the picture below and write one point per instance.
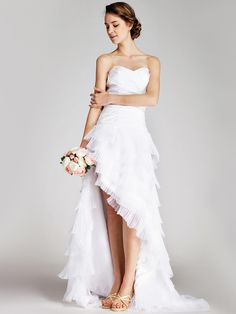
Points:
(131, 245)
(114, 227)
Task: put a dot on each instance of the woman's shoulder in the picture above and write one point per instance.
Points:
(104, 58)
(153, 60)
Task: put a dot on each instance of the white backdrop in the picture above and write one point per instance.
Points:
(48, 52)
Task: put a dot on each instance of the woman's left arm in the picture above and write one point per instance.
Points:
(149, 98)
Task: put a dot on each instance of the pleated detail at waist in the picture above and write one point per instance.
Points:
(122, 115)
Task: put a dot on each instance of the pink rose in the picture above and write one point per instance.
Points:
(76, 159)
(68, 169)
(89, 161)
(80, 171)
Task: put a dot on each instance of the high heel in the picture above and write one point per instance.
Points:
(111, 297)
(125, 299)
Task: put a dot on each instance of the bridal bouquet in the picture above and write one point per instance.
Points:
(77, 161)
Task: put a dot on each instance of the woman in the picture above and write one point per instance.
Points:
(116, 249)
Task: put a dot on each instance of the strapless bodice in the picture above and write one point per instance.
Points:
(122, 80)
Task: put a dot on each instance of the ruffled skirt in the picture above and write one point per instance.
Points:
(126, 163)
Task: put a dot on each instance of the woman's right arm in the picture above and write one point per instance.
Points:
(102, 67)
(91, 120)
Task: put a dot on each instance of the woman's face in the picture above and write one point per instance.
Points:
(117, 28)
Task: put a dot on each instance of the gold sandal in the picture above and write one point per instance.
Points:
(111, 297)
(122, 299)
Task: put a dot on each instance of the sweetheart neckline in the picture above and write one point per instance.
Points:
(121, 66)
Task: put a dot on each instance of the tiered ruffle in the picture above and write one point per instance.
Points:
(126, 163)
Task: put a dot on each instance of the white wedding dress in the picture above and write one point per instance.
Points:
(126, 160)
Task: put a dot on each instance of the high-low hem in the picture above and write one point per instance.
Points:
(153, 270)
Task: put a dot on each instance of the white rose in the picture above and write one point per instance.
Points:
(73, 166)
(82, 152)
(66, 161)
(81, 162)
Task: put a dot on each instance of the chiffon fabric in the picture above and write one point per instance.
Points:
(126, 163)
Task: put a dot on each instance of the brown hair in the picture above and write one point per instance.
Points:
(125, 12)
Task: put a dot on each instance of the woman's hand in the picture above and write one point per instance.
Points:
(99, 98)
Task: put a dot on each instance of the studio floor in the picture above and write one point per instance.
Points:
(25, 292)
